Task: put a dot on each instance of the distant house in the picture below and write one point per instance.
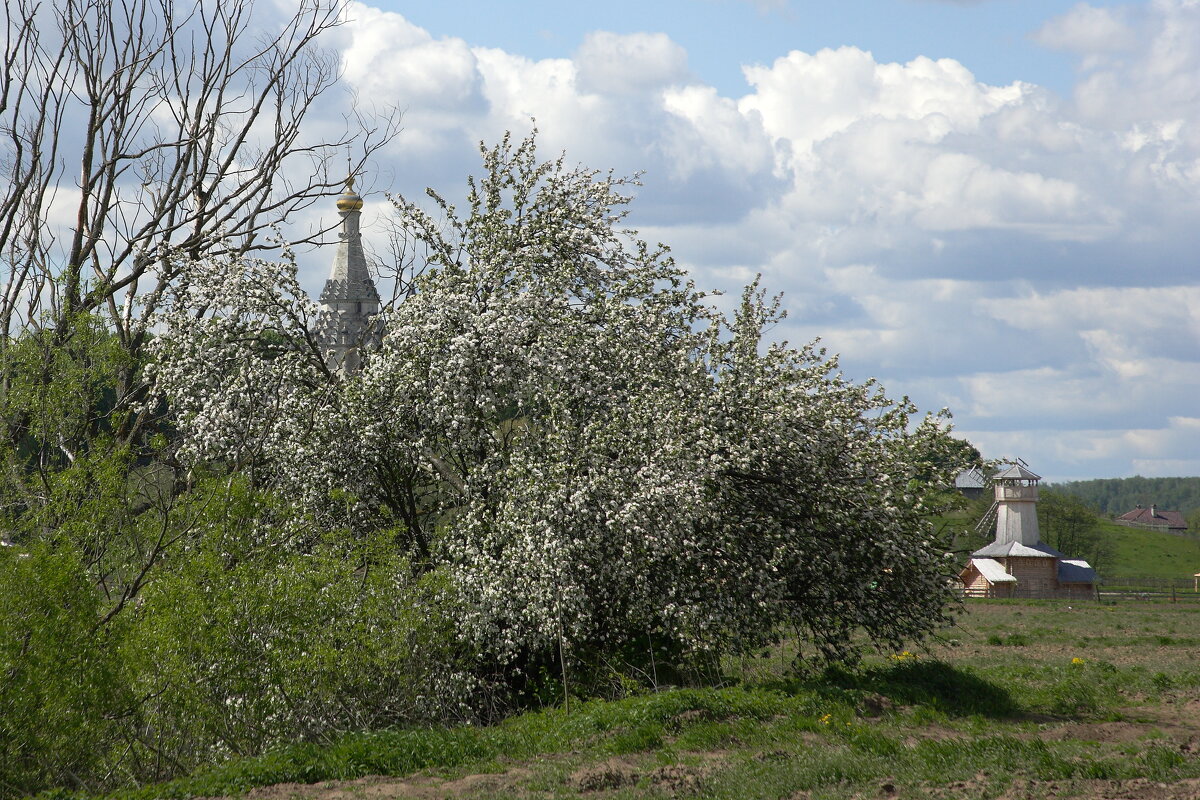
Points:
(970, 483)
(1016, 563)
(1153, 518)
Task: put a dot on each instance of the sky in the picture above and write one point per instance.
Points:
(988, 205)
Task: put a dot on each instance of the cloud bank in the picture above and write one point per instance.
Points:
(1026, 259)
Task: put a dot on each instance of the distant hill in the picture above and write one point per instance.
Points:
(1115, 496)
(1134, 552)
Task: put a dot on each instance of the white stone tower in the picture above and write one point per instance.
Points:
(1016, 506)
(349, 300)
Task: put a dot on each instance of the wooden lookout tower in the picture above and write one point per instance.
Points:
(1017, 563)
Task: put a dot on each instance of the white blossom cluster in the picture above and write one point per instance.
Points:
(236, 360)
(558, 419)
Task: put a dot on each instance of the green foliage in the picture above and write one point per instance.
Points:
(295, 644)
(963, 455)
(1068, 525)
(82, 547)
(60, 388)
(1115, 496)
(58, 407)
(239, 643)
(62, 680)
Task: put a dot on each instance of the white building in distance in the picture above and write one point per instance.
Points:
(349, 301)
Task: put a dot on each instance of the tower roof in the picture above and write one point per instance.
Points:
(1016, 549)
(336, 291)
(350, 200)
(1016, 472)
(349, 279)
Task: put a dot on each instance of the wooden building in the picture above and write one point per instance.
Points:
(1017, 563)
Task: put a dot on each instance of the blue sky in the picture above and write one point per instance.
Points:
(991, 206)
(722, 35)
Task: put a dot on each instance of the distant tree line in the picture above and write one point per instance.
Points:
(1115, 496)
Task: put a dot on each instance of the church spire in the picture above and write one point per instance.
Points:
(349, 278)
(349, 298)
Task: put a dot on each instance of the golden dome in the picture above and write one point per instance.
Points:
(349, 201)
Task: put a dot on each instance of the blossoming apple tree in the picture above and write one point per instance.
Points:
(558, 420)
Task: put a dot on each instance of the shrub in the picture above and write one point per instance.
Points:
(245, 646)
(61, 679)
(592, 453)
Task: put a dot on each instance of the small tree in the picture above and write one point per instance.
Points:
(594, 455)
(1193, 523)
(1068, 524)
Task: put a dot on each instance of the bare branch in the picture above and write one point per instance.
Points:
(165, 130)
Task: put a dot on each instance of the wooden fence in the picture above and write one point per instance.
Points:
(1171, 590)
(1175, 590)
(1011, 592)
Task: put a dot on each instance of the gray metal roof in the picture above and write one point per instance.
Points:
(1074, 570)
(1016, 472)
(1015, 549)
(970, 478)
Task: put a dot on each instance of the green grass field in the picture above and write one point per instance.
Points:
(1150, 554)
(1021, 699)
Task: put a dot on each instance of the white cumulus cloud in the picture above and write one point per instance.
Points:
(1089, 30)
(1026, 258)
(610, 63)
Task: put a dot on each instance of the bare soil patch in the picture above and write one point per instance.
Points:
(618, 773)
(378, 787)
(1139, 789)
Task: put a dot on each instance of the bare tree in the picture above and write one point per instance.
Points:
(402, 260)
(137, 133)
